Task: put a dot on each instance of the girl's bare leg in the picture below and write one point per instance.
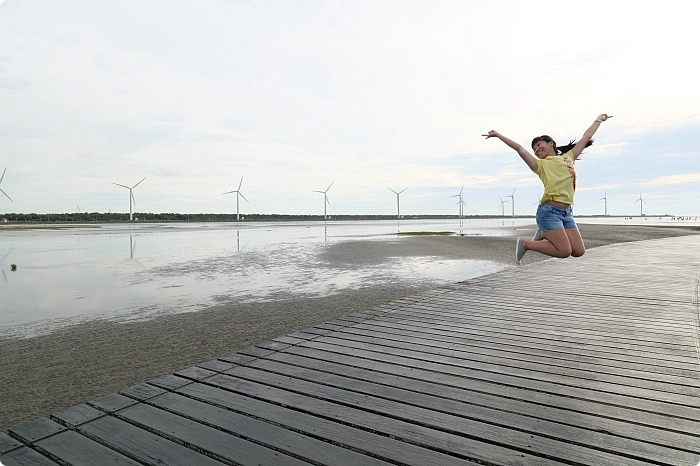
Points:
(577, 247)
(553, 243)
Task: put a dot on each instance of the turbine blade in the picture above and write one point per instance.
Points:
(122, 185)
(314, 191)
(133, 198)
(241, 194)
(329, 186)
(230, 192)
(329, 202)
(240, 184)
(3, 174)
(1, 191)
(404, 189)
(138, 183)
(456, 195)
(500, 198)
(393, 191)
(460, 191)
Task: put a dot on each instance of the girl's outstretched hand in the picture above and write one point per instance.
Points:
(491, 134)
(603, 116)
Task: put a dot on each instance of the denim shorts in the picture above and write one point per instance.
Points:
(550, 218)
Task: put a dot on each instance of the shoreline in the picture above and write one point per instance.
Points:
(44, 374)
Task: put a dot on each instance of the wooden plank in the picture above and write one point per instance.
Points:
(7, 443)
(412, 400)
(140, 444)
(488, 339)
(336, 434)
(519, 379)
(25, 457)
(456, 444)
(487, 318)
(575, 426)
(111, 403)
(571, 367)
(264, 433)
(212, 442)
(379, 446)
(531, 443)
(36, 430)
(77, 415)
(72, 448)
(142, 391)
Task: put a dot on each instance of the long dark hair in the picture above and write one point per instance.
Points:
(558, 150)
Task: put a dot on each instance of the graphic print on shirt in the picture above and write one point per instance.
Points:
(570, 166)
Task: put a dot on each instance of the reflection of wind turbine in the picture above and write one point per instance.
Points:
(132, 250)
(512, 203)
(398, 209)
(460, 202)
(131, 196)
(238, 193)
(1, 191)
(503, 212)
(605, 198)
(325, 198)
(641, 204)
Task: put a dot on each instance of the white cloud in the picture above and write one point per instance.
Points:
(675, 179)
(295, 95)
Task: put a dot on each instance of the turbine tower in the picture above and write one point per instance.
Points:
(398, 209)
(1, 191)
(460, 202)
(325, 198)
(503, 212)
(512, 203)
(641, 204)
(605, 198)
(131, 197)
(238, 193)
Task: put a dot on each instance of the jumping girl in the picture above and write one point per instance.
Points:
(557, 234)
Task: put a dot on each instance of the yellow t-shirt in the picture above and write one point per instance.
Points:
(559, 178)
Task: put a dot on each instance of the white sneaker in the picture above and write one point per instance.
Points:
(538, 235)
(519, 251)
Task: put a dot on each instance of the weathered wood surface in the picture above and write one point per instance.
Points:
(592, 361)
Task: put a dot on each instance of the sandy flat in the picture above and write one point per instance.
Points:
(45, 374)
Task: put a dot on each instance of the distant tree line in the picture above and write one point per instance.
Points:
(97, 217)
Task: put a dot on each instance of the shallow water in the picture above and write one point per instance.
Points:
(125, 272)
(137, 271)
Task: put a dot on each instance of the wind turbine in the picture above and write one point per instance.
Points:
(1, 191)
(641, 203)
(238, 193)
(325, 198)
(512, 203)
(503, 212)
(605, 198)
(398, 210)
(131, 197)
(460, 202)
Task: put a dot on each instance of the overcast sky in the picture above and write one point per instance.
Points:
(294, 95)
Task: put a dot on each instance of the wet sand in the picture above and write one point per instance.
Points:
(42, 375)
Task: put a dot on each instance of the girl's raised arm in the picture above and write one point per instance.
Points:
(588, 135)
(528, 158)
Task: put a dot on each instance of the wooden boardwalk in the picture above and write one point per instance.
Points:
(584, 362)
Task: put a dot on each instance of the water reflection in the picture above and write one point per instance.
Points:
(69, 276)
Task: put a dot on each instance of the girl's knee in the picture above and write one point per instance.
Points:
(578, 253)
(563, 253)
